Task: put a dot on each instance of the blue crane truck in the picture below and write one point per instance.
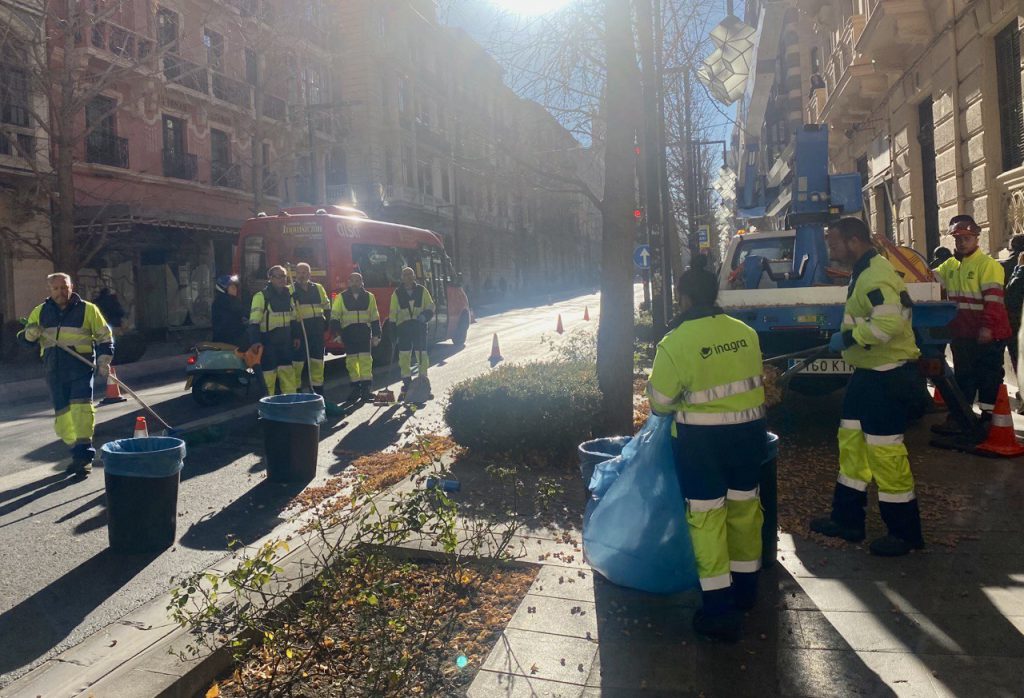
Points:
(780, 282)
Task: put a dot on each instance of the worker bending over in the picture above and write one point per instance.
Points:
(708, 374)
(877, 339)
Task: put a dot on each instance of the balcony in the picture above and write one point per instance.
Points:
(852, 81)
(232, 91)
(108, 40)
(816, 105)
(106, 149)
(226, 174)
(186, 73)
(180, 165)
(23, 146)
(425, 135)
(893, 29)
(275, 108)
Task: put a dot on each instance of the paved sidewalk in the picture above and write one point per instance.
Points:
(831, 622)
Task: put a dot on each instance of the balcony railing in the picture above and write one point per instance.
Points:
(106, 149)
(23, 145)
(226, 174)
(275, 108)
(232, 91)
(180, 165)
(186, 73)
(122, 43)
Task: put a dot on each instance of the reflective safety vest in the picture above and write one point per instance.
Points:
(877, 323)
(79, 325)
(349, 310)
(311, 302)
(975, 283)
(708, 371)
(272, 310)
(407, 306)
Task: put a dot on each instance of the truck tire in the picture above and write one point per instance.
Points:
(461, 330)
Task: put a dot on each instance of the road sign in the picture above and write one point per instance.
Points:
(642, 256)
(703, 238)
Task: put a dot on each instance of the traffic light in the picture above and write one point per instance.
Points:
(638, 214)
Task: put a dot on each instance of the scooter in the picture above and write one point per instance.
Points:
(215, 372)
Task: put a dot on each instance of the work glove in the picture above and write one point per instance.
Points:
(31, 334)
(984, 336)
(296, 343)
(837, 344)
(375, 342)
(103, 365)
(422, 317)
(336, 339)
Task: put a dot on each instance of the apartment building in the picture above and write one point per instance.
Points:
(24, 164)
(922, 97)
(436, 139)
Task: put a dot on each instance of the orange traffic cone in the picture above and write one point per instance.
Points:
(113, 394)
(1002, 440)
(586, 314)
(559, 329)
(141, 431)
(495, 351)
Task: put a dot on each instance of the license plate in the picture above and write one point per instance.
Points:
(188, 382)
(824, 366)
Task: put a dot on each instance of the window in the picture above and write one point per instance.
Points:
(446, 184)
(221, 171)
(254, 264)
(251, 66)
(380, 266)
(426, 178)
(13, 88)
(174, 135)
(214, 43)
(1011, 107)
(410, 167)
(775, 250)
(167, 29)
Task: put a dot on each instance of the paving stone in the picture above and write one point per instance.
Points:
(490, 684)
(993, 677)
(847, 673)
(564, 584)
(519, 652)
(545, 614)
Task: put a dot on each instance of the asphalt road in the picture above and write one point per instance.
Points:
(60, 581)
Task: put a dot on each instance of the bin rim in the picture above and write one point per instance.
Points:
(291, 399)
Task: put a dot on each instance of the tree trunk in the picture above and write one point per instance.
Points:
(615, 332)
(65, 257)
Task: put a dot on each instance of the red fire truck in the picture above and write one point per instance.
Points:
(337, 240)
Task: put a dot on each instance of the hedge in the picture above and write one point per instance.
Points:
(546, 406)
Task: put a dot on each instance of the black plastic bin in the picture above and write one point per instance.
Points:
(769, 488)
(141, 478)
(291, 435)
(597, 451)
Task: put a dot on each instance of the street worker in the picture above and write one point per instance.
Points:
(228, 314)
(274, 325)
(313, 307)
(981, 326)
(1014, 269)
(356, 323)
(68, 320)
(411, 310)
(708, 374)
(877, 339)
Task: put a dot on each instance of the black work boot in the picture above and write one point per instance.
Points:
(718, 619)
(744, 590)
(80, 467)
(847, 518)
(827, 527)
(406, 384)
(903, 519)
(948, 427)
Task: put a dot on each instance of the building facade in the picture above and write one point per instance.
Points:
(922, 98)
(24, 165)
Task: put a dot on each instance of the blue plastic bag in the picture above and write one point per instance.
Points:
(293, 408)
(153, 456)
(636, 534)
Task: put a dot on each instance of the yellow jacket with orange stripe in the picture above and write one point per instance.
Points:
(975, 283)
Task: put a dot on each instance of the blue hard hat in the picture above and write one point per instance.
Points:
(225, 280)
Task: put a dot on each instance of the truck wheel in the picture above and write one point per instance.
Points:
(459, 335)
(206, 398)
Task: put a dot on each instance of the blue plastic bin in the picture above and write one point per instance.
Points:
(291, 435)
(141, 482)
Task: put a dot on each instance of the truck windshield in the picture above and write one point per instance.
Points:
(778, 249)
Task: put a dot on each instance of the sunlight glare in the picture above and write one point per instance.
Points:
(530, 7)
